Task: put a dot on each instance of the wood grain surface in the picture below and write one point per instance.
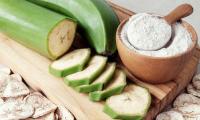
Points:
(34, 69)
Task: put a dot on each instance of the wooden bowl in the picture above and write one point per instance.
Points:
(154, 69)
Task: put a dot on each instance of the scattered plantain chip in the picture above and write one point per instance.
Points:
(64, 113)
(41, 104)
(15, 88)
(15, 110)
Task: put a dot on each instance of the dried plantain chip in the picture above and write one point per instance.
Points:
(41, 104)
(14, 99)
(16, 76)
(4, 79)
(64, 114)
(50, 116)
(15, 88)
(196, 81)
(184, 99)
(192, 90)
(15, 111)
(170, 115)
(190, 110)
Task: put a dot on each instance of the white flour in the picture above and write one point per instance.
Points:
(152, 30)
(180, 41)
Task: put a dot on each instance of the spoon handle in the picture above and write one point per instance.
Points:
(181, 11)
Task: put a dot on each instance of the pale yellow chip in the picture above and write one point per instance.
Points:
(170, 115)
(196, 81)
(192, 90)
(15, 88)
(16, 76)
(185, 99)
(41, 104)
(4, 79)
(50, 116)
(64, 113)
(15, 111)
(14, 99)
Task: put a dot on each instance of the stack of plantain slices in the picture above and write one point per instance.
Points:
(103, 81)
(187, 105)
(18, 101)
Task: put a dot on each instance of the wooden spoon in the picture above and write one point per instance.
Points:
(181, 11)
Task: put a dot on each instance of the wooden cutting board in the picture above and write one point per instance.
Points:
(34, 69)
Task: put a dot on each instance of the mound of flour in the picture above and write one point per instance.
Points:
(152, 30)
(180, 40)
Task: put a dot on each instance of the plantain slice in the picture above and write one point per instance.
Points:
(185, 99)
(132, 104)
(190, 110)
(15, 111)
(88, 75)
(70, 63)
(115, 86)
(100, 82)
(16, 76)
(50, 116)
(4, 78)
(64, 114)
(41, 104)
(192, 90)
(14, 99)
(170, 115)
(15, 88)
(196, 81)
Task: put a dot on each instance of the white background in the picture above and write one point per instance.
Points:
(162, 7)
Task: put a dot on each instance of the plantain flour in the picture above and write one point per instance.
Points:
(180, 38)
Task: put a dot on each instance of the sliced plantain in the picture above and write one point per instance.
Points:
(4, 78)
(192, 90)
(15, 111)
(170, 115)
(15, 88)
(64, 114)
(185, 99)
(196, 117)
(41, 104)
(50, 116)
(14, 99)
(16, 76)
(70, 63)
(100, 82)
(196, 81)
(132, 104)
(115, 86)
(190, 110)
(85, 77)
